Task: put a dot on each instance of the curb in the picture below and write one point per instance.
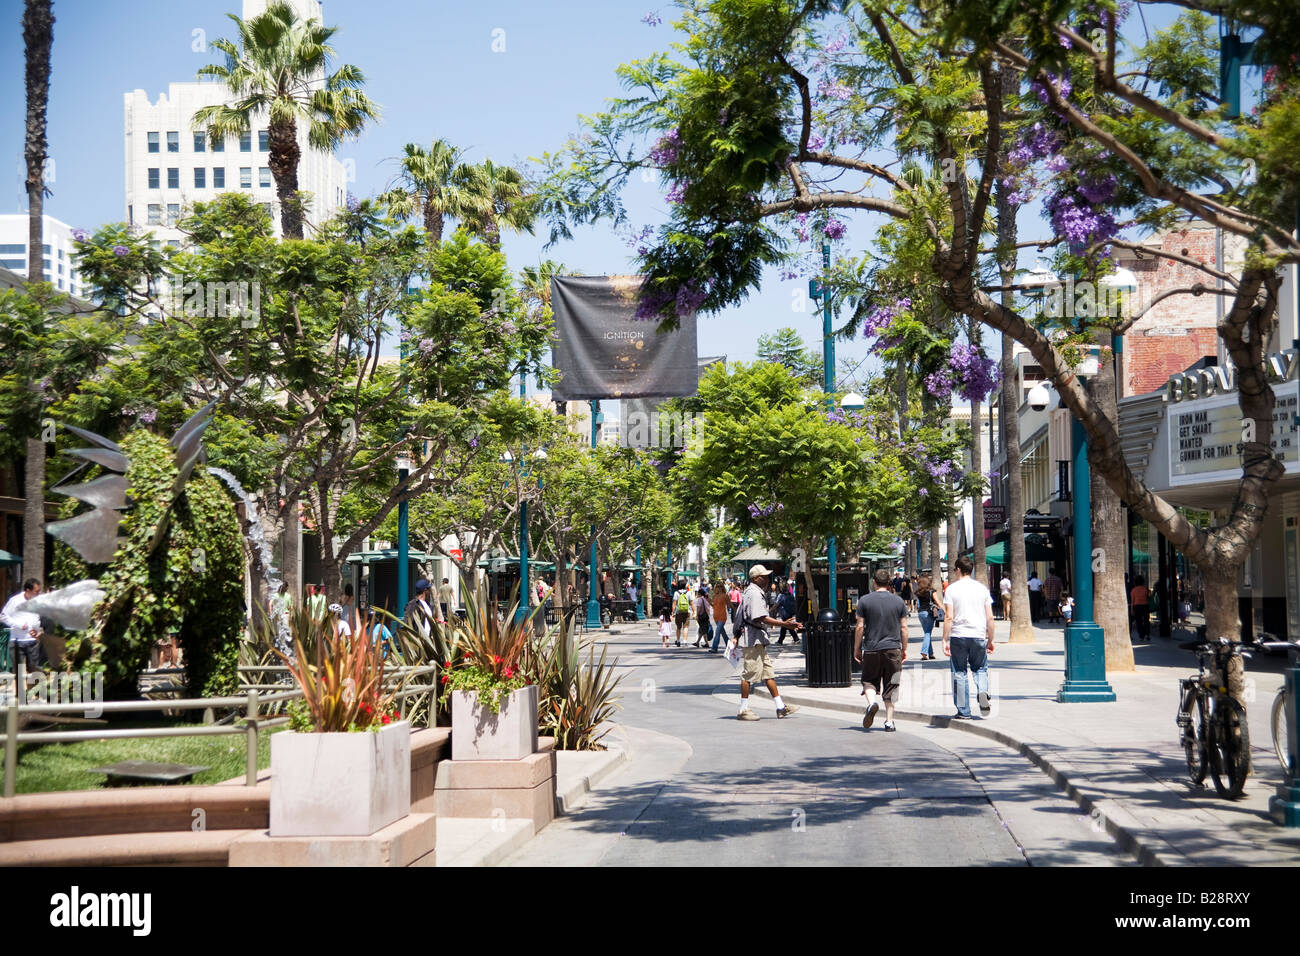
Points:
(494, 846)
(575, 794)
(1126, 832)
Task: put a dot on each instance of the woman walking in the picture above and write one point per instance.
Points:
(927, 604)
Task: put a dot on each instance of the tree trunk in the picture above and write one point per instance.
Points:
(34, 511)
(953, 545)
(980, 569)
(1222, 619)
(283, 160)
(936, 560)
(1110, 534)
(814, 604)
(433, 223)
(1022, 629)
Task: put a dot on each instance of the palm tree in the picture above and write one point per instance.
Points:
(434, 183)
(507, 202)
(38, 39)
(279, 71)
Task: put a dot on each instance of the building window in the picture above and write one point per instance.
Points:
(245, 177)
(218, 177)
(60, 253)
(264, 176)
(245, 142)
(266, 207)
(155, 214)
(173, 142)
(200, 177)
(60, 268)
(45, 248)
(130, 215)
(200, 142)
(263, 140)
(173, 243)
(153, 141)
(220, 147)
(17, 265)
(12, 248)
(173, 213)
(173, 178)
(153, 178)
(60, 283)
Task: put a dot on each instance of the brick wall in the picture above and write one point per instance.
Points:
(1179, 330)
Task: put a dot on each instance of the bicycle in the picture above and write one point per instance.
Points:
(1277, 717)
(1213, 723)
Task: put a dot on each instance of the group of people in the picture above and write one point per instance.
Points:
(714, 609)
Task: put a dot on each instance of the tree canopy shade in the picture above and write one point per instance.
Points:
(773, 111)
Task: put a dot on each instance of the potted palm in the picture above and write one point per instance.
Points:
(345, 769)
(493, 698)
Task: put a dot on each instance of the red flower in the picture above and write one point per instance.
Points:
(388, 719)
(445, 678)
(509, 672)
(495, 659)
(446, 664)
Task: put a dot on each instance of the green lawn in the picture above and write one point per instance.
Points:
(46, 767)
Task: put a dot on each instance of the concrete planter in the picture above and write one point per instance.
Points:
(479, 734)
(340, 784)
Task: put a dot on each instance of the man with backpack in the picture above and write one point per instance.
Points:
(752, 623)
(681, 609)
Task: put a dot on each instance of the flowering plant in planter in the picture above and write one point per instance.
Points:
(341, 678)
(494, 652)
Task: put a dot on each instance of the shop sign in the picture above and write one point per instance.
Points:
(1205, 438)
(1222, 379)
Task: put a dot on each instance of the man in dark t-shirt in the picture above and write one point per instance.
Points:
(880, 644)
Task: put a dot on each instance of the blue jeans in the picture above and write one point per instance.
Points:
(969, 652)
(719, 633)
(927, 625)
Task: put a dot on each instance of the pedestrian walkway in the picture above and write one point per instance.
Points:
(1122, 762)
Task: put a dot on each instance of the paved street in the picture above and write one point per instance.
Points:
(704, 789)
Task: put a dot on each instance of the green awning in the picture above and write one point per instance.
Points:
(997, 553)
(7, 558)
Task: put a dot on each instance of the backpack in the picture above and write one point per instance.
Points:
(684, 602)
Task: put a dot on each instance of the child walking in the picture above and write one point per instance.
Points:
(665, 627)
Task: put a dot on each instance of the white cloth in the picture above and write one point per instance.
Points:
(1035, 584)
(1005, 586)
(965, 603)
(753, 607)
(22, 625)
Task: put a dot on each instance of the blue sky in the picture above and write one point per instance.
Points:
(432, 69)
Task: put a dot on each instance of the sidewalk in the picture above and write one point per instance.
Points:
(1121, 762)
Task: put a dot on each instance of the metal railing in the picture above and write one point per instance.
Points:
(252, 705)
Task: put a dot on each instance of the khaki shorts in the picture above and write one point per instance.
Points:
(756, 667)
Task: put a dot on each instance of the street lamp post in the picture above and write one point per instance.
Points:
(593, 599)
(822, 291)
(1085, 641)
(403, 536)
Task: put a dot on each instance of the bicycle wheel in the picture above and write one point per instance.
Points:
(1194, 738)
(1229, 747)
(1277, 722)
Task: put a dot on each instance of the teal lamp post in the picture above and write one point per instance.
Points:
(818, 291)
(1085, 640)
(593, 598)
(403, 536)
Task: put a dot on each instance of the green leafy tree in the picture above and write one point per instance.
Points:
(786, 347)
(435, 184)
(280, 69)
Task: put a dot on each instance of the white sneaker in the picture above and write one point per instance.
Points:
(747, 714)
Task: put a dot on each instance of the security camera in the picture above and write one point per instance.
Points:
(1039, 396)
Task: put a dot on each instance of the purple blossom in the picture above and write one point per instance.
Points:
(666, 150)
(473, 441)
(120, 251)
(834, 229)
(757, 511)
(80, 235)
(1098, 191)
(994, 475)
(976, 376)
(1061, 84)
(1077, 221)
(427, 346)
(149, 416)
(834, 91)
(652, 19)
(838, 44)
(689, 299)
(939, 383)
(924, 491)
(938, 469)
(1065, 42)
(816, 141)
(676, 194)
(404, 335)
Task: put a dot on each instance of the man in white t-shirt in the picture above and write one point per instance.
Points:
(968, 637)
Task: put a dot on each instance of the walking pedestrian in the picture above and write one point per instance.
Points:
(703, 612)
(882, 621)
(721, 613)
(1140, 599)
(1035, 598)
(906, 592)
(1053, 588)
(925, 600)
(665, 624)
(418, 605)
(1004, 590)
(786, 611)
(968, 637)
(756, 666)
(681, 609)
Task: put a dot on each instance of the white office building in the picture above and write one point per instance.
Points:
(170, 164)
(57, 259)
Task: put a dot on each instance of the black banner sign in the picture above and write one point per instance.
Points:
(603, 350)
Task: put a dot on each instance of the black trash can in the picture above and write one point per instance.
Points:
(828, 650)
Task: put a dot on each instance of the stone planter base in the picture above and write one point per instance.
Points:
(411, 841)
(340, 784)
(510, 789)
(479, 734)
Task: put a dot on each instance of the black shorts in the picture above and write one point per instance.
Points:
(883, 670)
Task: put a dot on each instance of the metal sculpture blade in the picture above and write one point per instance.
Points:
(197, 422)
(112, 460)
(68, 607)
(107, 491)
(99, 440)
(92, 535)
